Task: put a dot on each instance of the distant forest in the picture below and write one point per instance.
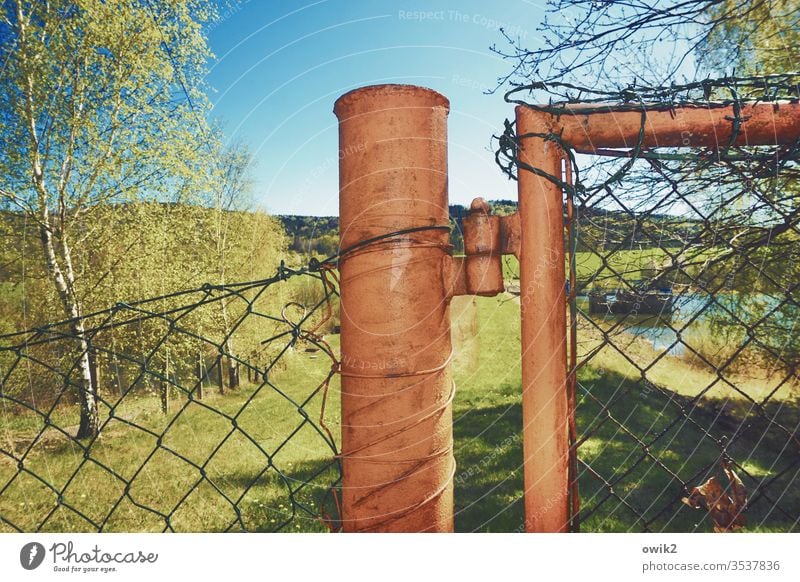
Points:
(319, 235)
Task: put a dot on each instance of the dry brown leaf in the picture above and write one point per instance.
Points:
(725, 509)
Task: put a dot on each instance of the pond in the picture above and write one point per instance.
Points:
(692, 313)
(658, 330)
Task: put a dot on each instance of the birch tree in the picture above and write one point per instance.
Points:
(101, 103)
(241, 240)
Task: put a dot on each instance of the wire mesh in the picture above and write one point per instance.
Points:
(214, 413)
(683, 285)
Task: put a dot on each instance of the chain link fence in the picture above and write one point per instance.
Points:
(684, 350)
(214, 412)
(216, 409)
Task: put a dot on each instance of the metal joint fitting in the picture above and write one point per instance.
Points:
(482, 246)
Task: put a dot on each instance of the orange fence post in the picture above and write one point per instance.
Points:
(544, 330)
(687, 126)
(397, 278)
(590, 129)
(397, 441)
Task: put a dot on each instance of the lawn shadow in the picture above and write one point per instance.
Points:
(640, 448)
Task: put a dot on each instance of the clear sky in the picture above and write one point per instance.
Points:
(280, 66)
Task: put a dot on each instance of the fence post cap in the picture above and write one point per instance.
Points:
(364, 99)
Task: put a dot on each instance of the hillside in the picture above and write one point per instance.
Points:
(600, 229)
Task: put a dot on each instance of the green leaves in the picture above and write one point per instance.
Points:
(110, 151)
(756, 36)
(109, 95)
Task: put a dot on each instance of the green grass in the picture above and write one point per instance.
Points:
(162, 475)
(604, 271)
(488, 417)
(487, 422)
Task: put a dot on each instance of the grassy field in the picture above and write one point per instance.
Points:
(193, 432)
(628, 264)
(488, 416)
(487, 421)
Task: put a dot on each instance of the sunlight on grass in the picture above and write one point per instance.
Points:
(230, 451)
(488, 418)
(192, 478)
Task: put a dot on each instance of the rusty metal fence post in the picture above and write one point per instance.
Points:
(545, 442)
(542, 136)
(397, 441)
(397, 278)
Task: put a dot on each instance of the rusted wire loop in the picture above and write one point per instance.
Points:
(285, 316)
(437, 409)
(412, 508)
(333, 259)
(409, 374)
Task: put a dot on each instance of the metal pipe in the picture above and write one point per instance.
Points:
(544, 340)
(686, 126)
(397, 440)
(572, 378)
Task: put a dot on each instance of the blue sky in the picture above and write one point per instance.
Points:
(280, 66)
